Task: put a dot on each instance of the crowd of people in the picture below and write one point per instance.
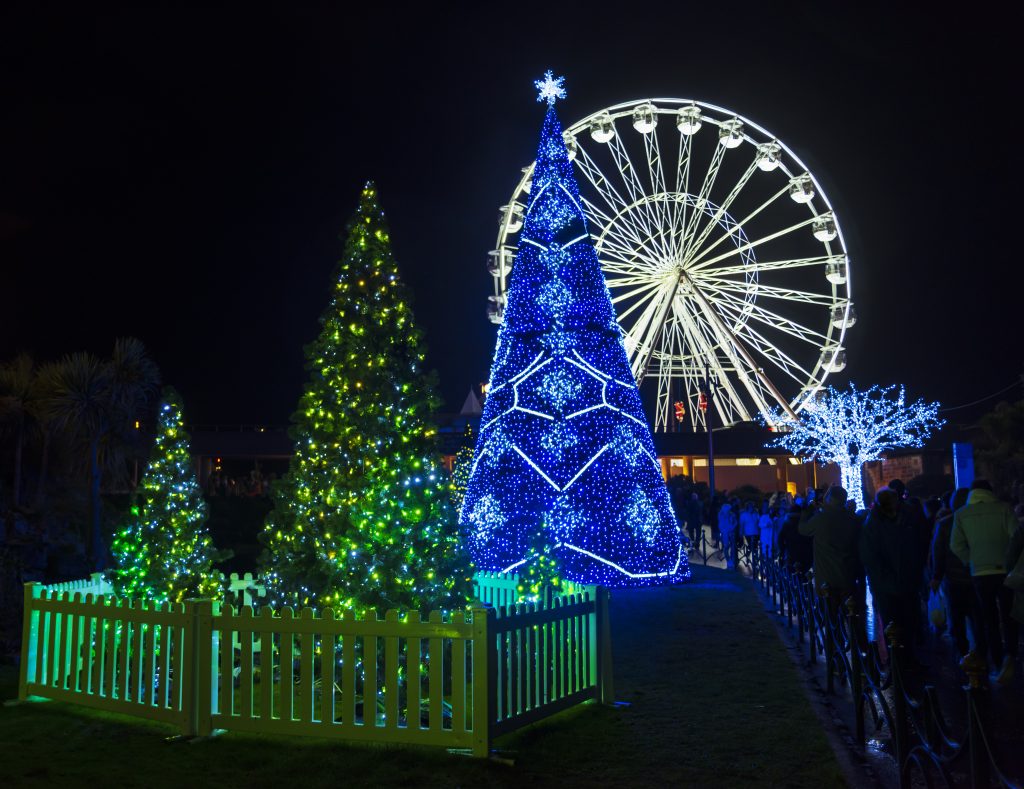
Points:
(255, 483)
(954, 560)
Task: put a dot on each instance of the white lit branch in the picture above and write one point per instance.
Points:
(851, 428)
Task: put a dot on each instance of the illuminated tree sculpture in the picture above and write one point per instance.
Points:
(362, 519)
(164, 552)
(851, 428)
(564, 455)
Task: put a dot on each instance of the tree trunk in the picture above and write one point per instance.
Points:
(97, 552)
(853, 481)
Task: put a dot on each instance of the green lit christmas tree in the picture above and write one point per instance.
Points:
(462, 468)
(164, 552)
(362, 519)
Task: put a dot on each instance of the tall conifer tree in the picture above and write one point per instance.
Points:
(362, 518)
(164, 552)
(566, 484)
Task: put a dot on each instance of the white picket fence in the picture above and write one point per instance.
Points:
(455, 679)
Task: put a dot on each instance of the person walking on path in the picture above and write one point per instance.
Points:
(750, 527)
(889, 551)
(796, 548)
(766, 523)
(954, 578)
(980, 538)
(694, 520)
(836, 534)
(727, 528)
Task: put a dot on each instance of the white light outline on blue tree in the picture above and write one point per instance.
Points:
(870, 421)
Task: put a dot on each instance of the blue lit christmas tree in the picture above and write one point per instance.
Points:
(565, 462)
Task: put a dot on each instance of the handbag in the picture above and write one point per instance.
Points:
(937, 610)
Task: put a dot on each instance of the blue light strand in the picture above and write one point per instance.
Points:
(564, 456)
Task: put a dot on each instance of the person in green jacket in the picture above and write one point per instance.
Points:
(981, 535)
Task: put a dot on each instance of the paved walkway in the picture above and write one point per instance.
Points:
(714, 700)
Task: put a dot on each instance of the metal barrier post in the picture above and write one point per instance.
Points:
(975, 667)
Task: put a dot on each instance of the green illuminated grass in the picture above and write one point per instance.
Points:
(714, 701)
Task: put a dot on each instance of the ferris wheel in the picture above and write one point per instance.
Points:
(722, 254)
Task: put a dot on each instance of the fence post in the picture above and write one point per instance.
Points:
(605, 690)
(975, 667)
(856, 666)
(29, 626)
(899, 699)
(485, 679)
(198, 684)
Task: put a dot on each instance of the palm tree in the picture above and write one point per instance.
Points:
(17, 402)
(98, 401)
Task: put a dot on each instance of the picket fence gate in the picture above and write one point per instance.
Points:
(455, 679)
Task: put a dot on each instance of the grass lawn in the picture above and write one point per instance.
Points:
(713, 701)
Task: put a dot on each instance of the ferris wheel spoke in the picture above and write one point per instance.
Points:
(638, 257)
(746, 366)
(722, 210)
(744, 222)
(616, 203)
(644, 305)
(635, 188)
(781, 360)
(634, 292)
(705, 190)
(652, 146)
(679, 206)
(650, 324)
(759, 266)
(772, 320)
(769, 291)
(732, 406)
(698, 263)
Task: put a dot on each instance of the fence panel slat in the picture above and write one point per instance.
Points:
(435, 652)
(99, 644)
(391, 673)
(458, 677)
(287, 685)
(266, 664)
(138, 654)
(328, 664)
(370, 680)
(226, 681)
(307, 649)
(245, 637)
(348, 676)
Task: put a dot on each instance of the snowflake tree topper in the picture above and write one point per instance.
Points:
(850, 428)
(550, 88)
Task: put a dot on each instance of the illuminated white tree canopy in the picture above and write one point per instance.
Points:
(851, 428)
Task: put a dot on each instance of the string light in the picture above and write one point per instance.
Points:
(851, 428)
(362, 519)
(565, 484)
(164, 552)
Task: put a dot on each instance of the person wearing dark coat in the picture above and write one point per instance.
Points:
(954, 578)
(836, 534)
(889, 551)
(795, 548)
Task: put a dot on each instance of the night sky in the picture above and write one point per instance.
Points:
(182, 176)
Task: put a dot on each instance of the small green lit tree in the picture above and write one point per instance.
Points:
(462, 467)
(362, 519)
(164, 551)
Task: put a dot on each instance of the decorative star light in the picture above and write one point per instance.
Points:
(550, 88)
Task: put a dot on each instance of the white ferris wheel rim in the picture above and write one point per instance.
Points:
(793, 168)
